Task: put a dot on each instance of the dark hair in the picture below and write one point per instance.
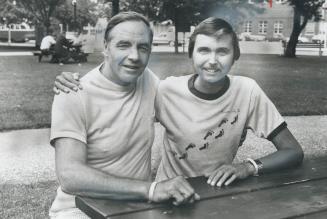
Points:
(214, 27)
(126, 16)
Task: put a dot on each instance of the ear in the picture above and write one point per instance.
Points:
(105, 43)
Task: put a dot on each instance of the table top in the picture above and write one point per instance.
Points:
(291, 193)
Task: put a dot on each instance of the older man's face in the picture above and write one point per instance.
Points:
(128, 51)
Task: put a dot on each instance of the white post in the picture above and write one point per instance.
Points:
(325, 41)
(9, 35)
(324, 7)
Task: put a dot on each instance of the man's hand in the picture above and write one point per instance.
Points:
(227, 173)
(67, 81)
(178, 189)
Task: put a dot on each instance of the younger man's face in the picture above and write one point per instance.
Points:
(128, 51)
(213, 57)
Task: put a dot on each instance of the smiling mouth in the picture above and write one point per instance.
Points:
(212, 70)
(132, 67)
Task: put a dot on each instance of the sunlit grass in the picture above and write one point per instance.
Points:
(26, 201)
(297, 86)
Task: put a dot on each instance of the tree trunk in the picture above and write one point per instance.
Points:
(176, 32)
(297, 28)
(46, 24)
(115, 7)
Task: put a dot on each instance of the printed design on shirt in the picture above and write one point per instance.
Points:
(173, 153)
(222, 122)
(230, 111)
(209, 133)
(235, 120)
(190, 146)
(221, 133)
(210, 137)
(183, 156)
(180, 157)
(205, 146)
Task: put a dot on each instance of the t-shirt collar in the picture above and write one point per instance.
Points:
(205, 96)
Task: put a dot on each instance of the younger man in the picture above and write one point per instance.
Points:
(206, 114)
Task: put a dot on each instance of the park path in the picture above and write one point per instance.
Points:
(26, 155)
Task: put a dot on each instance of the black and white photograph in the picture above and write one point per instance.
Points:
(172, 109)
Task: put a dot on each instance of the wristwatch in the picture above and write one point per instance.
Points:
(260, 166)
(257, 164)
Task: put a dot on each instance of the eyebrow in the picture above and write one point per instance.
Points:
(123, 41)
(203, 47)
(208, 47)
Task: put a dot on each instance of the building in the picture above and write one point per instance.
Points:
(276, 21)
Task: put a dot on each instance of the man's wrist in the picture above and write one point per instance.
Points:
(250, 167)
(257, 165)
(151, 191)
(260, 166)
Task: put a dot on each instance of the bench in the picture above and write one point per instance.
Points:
(315, 48)
(40, 54)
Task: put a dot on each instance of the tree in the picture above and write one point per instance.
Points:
(194, 11)
(85, 14)
(11, 12)
(304, 10)
(41, 11)
(149, 8)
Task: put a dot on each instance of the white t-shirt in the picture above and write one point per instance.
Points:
(47, 41)
(115, 122)
(201, 134)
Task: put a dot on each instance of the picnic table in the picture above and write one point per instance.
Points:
(290, 193)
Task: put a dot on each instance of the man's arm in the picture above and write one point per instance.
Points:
(77, 178)
(289, 154)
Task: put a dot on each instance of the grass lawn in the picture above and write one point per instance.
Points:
(27, 201)
(297, 86)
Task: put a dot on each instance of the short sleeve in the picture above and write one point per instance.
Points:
(68, 117)
(263, 117)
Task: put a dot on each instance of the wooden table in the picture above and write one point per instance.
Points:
(293, 193)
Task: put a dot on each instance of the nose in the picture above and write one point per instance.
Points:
(213, 59)
(133, 54)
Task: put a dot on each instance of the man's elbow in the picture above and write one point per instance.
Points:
(69, 181)
(297, 156)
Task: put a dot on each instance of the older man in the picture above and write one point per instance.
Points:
(103, 134)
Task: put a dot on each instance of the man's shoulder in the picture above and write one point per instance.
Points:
(150, 75)
(90, 77)
(242, 82)
(173, 82)
(87, 81)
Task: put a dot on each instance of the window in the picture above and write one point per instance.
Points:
(310, 28)
(248, 27)
(278, 27)
(263, 27)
